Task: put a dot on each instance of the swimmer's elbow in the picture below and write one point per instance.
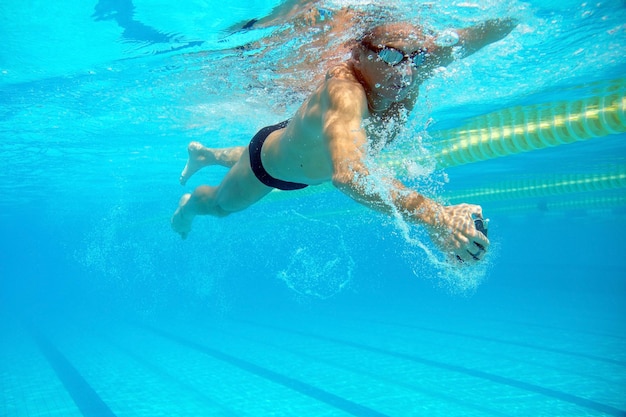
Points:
(344, 180)
(350, 180)
(349, 174)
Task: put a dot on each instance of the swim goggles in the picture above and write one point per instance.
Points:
(394, 57)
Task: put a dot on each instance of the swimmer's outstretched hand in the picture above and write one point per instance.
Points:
(455, 233)
(180, 223)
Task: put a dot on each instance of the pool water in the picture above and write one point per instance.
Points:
(306, 304)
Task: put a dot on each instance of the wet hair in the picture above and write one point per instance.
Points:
(376, 34)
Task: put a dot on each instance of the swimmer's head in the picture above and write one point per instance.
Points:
(388, 57)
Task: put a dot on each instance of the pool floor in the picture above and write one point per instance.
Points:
(313, 365)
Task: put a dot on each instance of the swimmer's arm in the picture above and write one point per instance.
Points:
(471, 40)
(450, 228)
(476, 37)
(347, 143)
(279, 14)
(352, 178)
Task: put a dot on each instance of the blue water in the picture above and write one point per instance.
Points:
(306, 304)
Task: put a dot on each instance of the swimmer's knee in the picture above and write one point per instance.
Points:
(207, 202)
(204, 195)
(221, 212)
(204, 191)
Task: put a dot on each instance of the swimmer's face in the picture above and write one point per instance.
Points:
(390, 58)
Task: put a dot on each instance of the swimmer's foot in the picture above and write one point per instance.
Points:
(181, 223)
(199, 157)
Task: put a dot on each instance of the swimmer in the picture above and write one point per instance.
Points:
(329, 137)
(299, 13)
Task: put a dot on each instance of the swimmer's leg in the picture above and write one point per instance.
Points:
(181, 223)
(200, 156)
(239, 189)
(203, 201)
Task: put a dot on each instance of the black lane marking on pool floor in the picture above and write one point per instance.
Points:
(87, 400)
(508, 342)
(173, 379)
(548, 392)
(371, 374)
(318, 394)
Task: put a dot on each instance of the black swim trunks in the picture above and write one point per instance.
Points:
(257, 166)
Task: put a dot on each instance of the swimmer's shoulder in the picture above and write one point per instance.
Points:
(341, 72)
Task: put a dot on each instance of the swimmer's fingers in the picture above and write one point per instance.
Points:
(473, 249)
(468, 256)
(457, 234)
(458, 244)
(480, 241)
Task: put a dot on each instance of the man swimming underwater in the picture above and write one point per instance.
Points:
(329, 137)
